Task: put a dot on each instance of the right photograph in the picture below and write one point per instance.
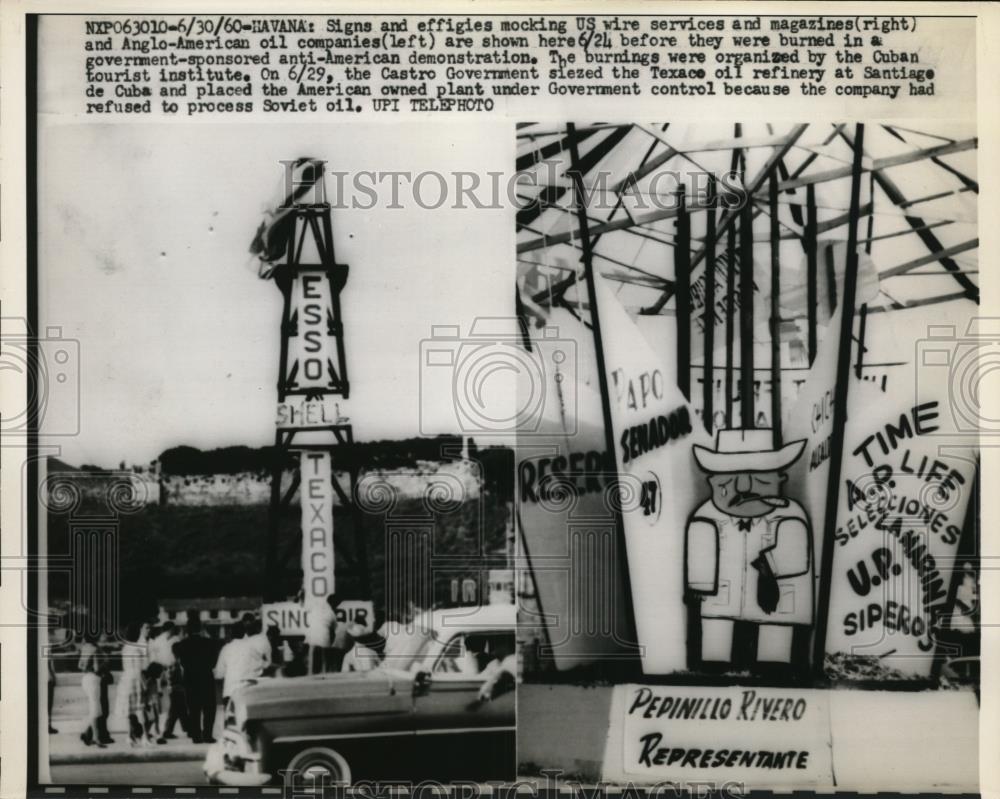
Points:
(748, 537)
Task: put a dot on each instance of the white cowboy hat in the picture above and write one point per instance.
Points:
(747, 451)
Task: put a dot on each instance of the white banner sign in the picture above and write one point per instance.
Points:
(907, 473)
(811, 419)
(566, 521)
(316, 497)
(756, 736)
(291, 618)
(903, 490)
(655, 428)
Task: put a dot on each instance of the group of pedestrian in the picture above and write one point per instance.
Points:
(164, 677)
(168, 673)
(168, 678)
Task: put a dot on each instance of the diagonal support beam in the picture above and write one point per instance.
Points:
(933, 257)
(965, 180)
(550, 195)
(879, 164)
(645, 166)
(595, 230)
(550, 150)
(931, 242)
(648, 164)
(924, 301)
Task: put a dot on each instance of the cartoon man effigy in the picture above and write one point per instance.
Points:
(748, 559)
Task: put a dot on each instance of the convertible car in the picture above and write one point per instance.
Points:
(424, 714)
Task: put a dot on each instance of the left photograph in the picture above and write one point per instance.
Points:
(273, 505)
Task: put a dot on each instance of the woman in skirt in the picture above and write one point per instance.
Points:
(131, 701)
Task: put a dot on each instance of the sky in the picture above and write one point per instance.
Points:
(143, 259)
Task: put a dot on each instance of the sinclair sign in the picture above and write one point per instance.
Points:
(291, 618)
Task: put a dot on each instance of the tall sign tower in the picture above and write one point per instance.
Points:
(312, 436)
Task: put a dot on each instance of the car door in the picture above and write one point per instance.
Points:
(449, 715)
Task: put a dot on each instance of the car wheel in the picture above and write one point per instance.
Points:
(320, 763)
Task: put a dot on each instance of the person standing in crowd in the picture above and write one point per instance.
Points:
(273, 635)
(256, 652)
(130, 702)
(229, 662)
(161, 652)
(395, 633)
(151, 701)
(161, 648)
(196, 655)
(104, 656)
(160, 641)
(473, 659)
(90, 682)
(321, 633)
(367, 651)
(500, 674)
(339, 644)
(177, 710)
(295, 665)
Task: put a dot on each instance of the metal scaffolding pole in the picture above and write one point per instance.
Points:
(809, 240)
(682, 293)
(775, 312)
(862, 332)
(708, 357)
(730, 321)
(746, 317)
(839, 409)
(602, 374)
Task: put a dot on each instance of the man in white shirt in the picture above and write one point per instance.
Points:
(227, 667)
(500, 674)
(366, 654)
(321, 632)
(161, 648)
(256, 651)
(339, 644)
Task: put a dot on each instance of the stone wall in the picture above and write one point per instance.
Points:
(437, 481)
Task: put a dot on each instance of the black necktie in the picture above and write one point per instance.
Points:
(744, 524)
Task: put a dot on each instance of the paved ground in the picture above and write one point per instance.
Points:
(66, 748)
(181, 772)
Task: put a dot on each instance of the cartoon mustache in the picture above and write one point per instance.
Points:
(749, 496)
